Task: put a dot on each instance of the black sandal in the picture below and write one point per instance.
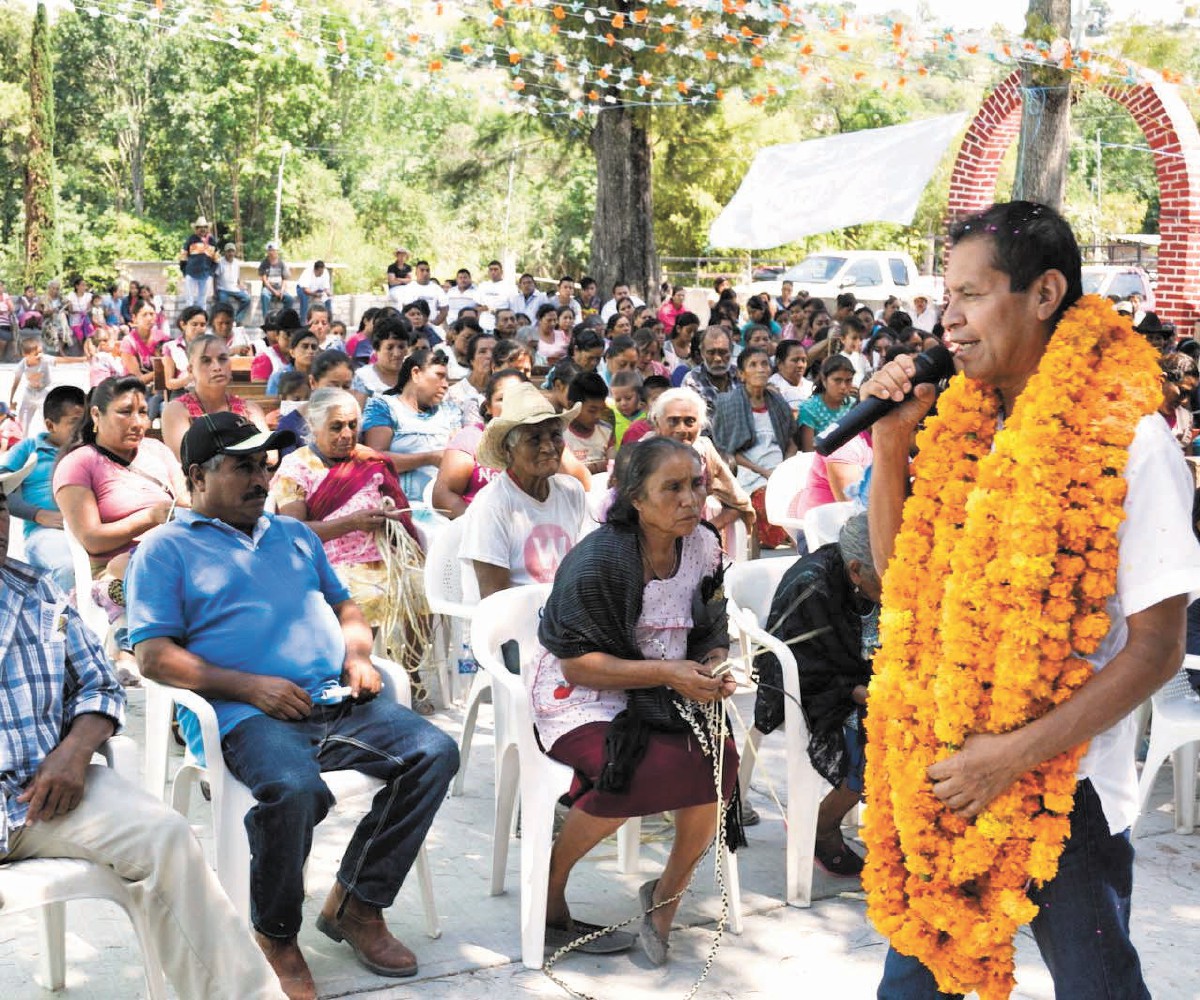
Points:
(843, 862)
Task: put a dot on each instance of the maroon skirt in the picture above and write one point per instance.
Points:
(674, 774)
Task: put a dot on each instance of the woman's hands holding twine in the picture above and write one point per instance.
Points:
(695, 681)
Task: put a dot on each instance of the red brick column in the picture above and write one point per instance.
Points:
(1170, 131)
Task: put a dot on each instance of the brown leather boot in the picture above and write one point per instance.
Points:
(362, 927)
(286, 959)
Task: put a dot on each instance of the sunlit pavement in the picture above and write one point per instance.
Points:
(826, 951)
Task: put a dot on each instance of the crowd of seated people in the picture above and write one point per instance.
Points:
(342, 436)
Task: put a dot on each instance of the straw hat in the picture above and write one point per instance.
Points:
(201, 221)
(523, 405)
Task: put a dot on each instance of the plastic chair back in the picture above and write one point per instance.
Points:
(1174, 731)
(91, 613)
(443, 572)
(785, 484)
(16, 539)
(823, 524)
(751, 586)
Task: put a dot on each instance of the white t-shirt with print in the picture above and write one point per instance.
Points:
(505, 526)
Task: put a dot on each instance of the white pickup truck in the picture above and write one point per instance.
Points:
(872, 275)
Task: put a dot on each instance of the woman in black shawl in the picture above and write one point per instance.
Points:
(827, 608)
(630, 635)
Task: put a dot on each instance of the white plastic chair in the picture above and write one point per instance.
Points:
(736, 541)
(751, 586)
(1174, 730)
(92, 614)
(48, 884)
(785, 484)
(231, 800)
(444, 592)
(804, 784)
(823, 524)
(16, 539)
(513, 614)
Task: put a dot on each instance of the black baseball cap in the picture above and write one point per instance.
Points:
(227, 434)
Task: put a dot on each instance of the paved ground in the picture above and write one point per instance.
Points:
(829, 948)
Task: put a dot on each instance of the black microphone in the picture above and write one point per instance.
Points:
(933, 365)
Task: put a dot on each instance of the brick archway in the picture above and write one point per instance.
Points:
(1170, 131)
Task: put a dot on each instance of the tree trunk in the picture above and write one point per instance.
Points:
(41, 228)
(1045, 112)
(623, 226)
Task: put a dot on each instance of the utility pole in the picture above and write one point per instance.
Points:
(279, 191)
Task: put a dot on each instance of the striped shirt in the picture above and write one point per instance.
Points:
(52, 670)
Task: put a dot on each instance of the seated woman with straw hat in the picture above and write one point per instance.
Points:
(522, 523)
(349, 495)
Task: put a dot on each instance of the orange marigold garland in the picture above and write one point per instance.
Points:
(996, 591)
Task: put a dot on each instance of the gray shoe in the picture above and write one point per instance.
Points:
(653, 944)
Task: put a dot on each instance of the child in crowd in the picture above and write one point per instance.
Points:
(653, 387)
(650, 354)
(588, 436)
(852, 340)
(102, 361)
(557, 387)
(45, 543)
(10, 430)
(629, 402)
(31, 382)
(335, 339)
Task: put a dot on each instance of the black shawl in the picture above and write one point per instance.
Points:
(594, 607)
(830, 661)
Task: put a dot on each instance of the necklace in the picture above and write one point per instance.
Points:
(676, 549)
(1005, 559)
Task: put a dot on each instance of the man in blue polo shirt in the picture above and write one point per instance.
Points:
(245, 609)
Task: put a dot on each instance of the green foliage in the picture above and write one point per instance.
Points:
(155, 127)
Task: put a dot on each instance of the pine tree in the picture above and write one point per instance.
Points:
(41, 229)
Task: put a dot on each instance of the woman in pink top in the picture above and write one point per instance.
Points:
(551, 341)
(113, 484)
(830, 478)
(672, 309)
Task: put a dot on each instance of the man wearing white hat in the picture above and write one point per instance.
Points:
(198, 262)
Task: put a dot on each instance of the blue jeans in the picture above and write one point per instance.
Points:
(281, 763)
(1082, 925)
(305, 302)
(241, 298)
(195, 290)
(270, 304)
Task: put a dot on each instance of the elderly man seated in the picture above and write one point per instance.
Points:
(59, 701)
(289, 674)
